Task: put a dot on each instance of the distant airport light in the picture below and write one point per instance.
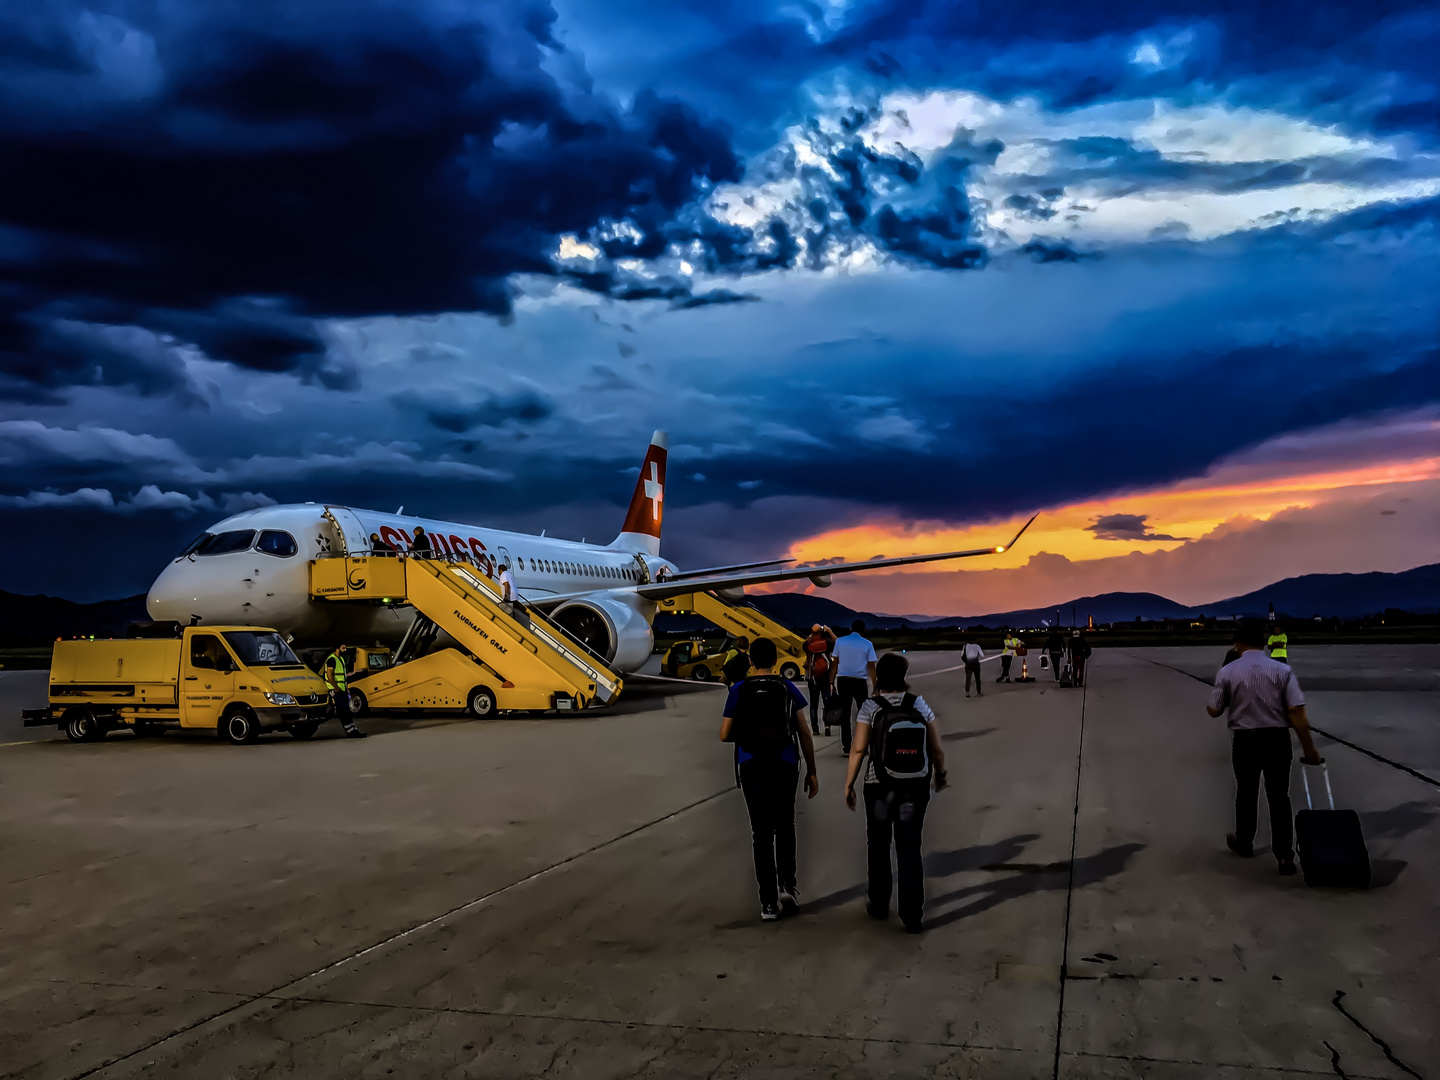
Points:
(999, 549)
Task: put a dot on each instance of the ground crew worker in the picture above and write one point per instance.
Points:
(1265, 701)
(764, 715)
(334, 675)
(1279, 645)
(1007, 656)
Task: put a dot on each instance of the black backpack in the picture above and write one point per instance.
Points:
(764, 714)
(899, 742)
(736, 668)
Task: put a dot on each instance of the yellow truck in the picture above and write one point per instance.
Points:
(234, 680)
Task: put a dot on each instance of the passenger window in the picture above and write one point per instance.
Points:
(226, 543)
(279, 544)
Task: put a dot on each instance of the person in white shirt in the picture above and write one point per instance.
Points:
(855, 674)
(1264, 701)
(895, 808)
(971, 654)
(507, 586)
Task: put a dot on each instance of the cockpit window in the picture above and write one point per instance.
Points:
(225, 543)
(261, 648)
(193, 544)
(274, 542)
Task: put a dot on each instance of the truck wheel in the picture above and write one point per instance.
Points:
(701, 673)
(482, 703)
(789, 670)
(358, 704)
(303, 731)
(240, 727)
(81, 725)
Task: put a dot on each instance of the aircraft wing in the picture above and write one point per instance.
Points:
(820, 575)
(709, 571)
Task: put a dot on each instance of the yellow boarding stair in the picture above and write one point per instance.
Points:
(516, 657)
(742, 620)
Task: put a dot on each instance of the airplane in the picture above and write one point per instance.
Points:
(252, 568)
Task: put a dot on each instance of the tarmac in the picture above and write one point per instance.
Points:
(574, 897)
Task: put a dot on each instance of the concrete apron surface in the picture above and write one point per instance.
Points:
(575, 897)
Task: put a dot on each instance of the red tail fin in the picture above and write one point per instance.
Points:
(647, 505)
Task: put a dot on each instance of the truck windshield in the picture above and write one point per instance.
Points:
(261, 648)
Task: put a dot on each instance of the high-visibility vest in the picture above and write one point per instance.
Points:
(1278, 649)
(1010, 644)
(335, 671)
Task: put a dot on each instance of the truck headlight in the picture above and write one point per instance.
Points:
(280, 699)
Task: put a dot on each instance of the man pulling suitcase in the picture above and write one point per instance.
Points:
(1264, 701)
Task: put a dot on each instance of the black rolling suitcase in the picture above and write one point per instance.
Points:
(1330, 844)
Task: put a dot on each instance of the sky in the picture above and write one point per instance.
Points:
(894, 274)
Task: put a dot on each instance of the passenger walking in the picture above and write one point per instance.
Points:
(1279, 645)
(379, 546)
(855, 674)
(1264, 701)
(736, 664)
(334, 675)
(1007, 655)
(507, 584)
(764, 718)
(1079, 650)
(896, 730)
(971, 655)
(421, 545)
(1055, 646)
(819, 673)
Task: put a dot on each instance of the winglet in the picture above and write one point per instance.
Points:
(1019, 534)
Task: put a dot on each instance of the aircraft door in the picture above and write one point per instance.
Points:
(350, 536)
(207, 681)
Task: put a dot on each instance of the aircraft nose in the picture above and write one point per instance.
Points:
(172, 596)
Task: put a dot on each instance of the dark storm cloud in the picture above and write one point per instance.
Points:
(1126, 527)
(493, 411)
(228, 174)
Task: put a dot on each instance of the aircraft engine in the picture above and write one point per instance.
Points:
(610, 628)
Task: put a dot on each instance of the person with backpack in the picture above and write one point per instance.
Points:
(897, 731)
(971, 654)
(819, 673)
(1079, 652)
(764, 718)
(736, 664)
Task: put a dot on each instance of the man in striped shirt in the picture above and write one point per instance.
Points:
(1264, 701)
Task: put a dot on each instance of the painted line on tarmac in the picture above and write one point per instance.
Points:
(1070, 884)
(234, 1012)
(1319, 731)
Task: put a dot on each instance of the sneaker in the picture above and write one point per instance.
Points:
(914, 926)
(789, 896)
(1245, 851)
(876, 913)
(1287, 867)
(356, 734)
(827, 732)
(967, 693)
(769, 912)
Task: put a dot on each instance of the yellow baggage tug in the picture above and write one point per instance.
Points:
(234, 680)
(511, 658)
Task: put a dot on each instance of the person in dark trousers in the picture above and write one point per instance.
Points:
(737, 662)
(1264, 701)
(819, 673)
(334, 675)
(895, 809)
(1079, 652)
(1055, 646)
(765, 717)
(421, 545)
(971, 654)
(379, 546)
(855, 674)
(1007, 655)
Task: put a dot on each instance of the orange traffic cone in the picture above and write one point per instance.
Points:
(1024, 670)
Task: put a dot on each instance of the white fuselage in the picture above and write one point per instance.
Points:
(265, 581)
